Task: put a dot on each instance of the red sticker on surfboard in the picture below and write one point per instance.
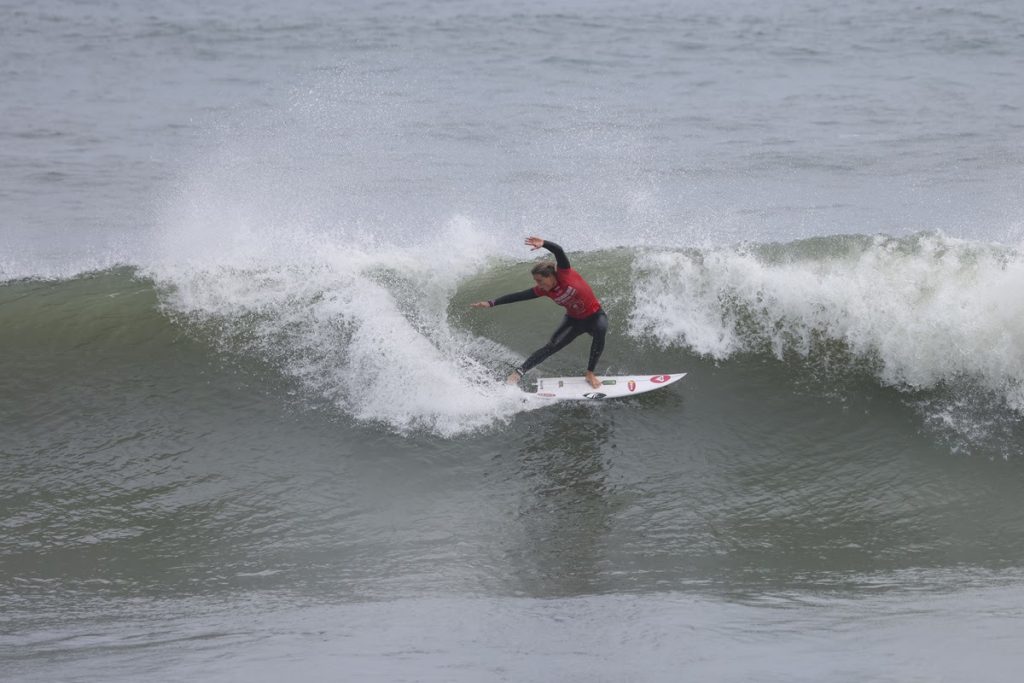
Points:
(631, 385)
(658, 379)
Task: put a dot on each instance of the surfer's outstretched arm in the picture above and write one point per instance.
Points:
(524, 295)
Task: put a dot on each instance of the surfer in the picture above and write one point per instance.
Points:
(583, 313)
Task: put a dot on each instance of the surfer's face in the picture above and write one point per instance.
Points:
(545, 282)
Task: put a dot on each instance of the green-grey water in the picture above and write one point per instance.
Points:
(250, 428)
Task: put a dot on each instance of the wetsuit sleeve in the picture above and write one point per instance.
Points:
(560, 258)
(524, 295)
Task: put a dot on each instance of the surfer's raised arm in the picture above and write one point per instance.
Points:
(560, 258)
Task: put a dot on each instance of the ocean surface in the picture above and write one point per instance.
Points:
(250, 428)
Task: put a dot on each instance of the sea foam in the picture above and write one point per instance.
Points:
(922, 311)
(357, 321)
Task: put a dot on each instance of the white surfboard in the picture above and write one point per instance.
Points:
(619, 386)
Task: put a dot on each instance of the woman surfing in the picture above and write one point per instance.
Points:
(559, 282)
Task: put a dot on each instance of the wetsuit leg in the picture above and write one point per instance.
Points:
(566, 332)
(598, 328)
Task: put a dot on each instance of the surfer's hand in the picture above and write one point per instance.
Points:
(481, 304)
(535, 242)
(593, 380)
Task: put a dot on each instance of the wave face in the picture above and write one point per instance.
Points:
(383, 333)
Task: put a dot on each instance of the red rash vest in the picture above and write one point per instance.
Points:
(573, 292)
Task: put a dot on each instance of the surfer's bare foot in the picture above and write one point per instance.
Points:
(593, 380)
(513, 378)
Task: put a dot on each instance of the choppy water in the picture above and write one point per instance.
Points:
(248, 423)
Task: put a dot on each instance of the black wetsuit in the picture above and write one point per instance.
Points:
(595, 323)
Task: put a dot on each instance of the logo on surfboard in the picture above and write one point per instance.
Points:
(659, 379)
(631, 385)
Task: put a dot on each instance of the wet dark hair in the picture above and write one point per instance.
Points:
(545, 268)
